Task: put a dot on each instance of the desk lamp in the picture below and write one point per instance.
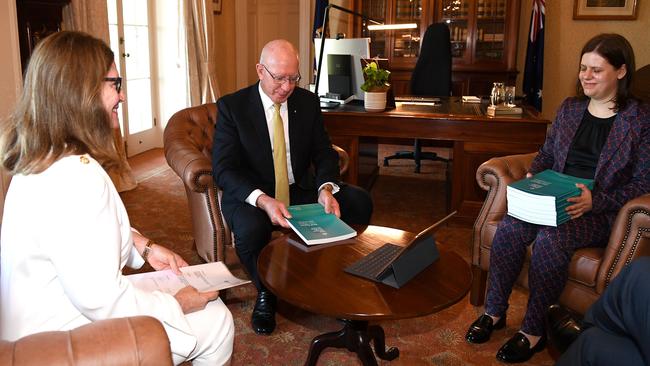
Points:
(378, 25)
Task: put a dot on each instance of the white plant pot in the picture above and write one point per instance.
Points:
(374, 101)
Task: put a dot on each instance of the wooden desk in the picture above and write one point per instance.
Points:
(475, 136)
(315, 281)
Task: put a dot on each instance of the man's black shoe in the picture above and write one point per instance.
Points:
(481, 329)
(517, 349)
(562, 327)
(263, 319)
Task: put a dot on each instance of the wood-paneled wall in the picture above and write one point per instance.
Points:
(241, 30)
(564, 40)
(10, 74)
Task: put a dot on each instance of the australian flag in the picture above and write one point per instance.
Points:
(319, 13)
(534, 70)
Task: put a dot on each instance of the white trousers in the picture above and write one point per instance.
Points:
(214, 330)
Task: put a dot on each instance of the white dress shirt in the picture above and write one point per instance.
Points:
(269, 111)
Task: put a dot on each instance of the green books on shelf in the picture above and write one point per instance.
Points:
(542, 198)
(314, 226)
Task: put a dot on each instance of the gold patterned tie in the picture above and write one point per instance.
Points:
(280, 158)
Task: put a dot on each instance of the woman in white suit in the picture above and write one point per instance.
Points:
(66, 234)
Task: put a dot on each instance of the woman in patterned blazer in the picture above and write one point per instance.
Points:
(603, 134)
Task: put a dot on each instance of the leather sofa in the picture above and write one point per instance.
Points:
(591, 269)
(188, 149)
(129, 341)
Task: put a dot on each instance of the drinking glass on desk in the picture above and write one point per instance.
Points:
(510, 96)
(497, 96)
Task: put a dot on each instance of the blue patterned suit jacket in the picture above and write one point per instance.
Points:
(623, 170)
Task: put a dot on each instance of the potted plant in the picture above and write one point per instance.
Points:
(375, 87)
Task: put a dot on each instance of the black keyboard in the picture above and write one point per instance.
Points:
(375, 262)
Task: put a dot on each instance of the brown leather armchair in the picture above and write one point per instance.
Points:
(137, 340)
(591, 269)
(188, 149)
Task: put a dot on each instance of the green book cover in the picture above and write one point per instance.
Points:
(552, 183)
(314, 226)
(542, 198)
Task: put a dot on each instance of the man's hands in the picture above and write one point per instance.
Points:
(275, 210)
(582, 204)
(191, 300)
(327, 200)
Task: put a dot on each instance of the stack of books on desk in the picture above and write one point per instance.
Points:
(542, 198)
(502, 110)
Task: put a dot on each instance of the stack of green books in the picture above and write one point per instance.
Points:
(314, 226)
(542, 198)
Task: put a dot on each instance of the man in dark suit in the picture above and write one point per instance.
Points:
(271, 150)
(616, 328)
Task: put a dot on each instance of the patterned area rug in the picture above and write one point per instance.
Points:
(159, 209)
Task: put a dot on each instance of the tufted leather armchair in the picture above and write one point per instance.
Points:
(137, 340)
(591, 269)
(188, 149)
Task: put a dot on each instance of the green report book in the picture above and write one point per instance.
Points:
(314, 226)
(542, 198)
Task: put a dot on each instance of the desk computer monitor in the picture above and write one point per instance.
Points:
(358, 48)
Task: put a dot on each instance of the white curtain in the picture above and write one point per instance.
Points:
(198, 25)
(91, 16)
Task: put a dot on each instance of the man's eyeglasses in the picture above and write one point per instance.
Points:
(283, 79)
(117, 82)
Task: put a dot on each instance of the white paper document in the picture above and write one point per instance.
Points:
(471, 99)
(203, 277)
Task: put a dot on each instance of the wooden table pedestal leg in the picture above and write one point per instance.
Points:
(356, 336)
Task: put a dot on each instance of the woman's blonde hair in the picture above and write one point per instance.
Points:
(60, 111)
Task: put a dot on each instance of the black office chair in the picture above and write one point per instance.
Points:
(431, 77)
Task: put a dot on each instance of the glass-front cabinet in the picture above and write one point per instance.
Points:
(478, 23)
(375, 9)
(407, 41)
(400, 46)
(490, 30)
(483, 38)
(456, 14)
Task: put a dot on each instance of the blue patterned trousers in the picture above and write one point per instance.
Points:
(549, 263)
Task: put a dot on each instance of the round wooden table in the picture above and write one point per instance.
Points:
(314, 280)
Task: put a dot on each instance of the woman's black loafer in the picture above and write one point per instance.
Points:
(481, 329)
(517, 349)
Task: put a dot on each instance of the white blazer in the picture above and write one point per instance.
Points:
(65, 238)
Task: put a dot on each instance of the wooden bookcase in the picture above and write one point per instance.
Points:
(483, 34)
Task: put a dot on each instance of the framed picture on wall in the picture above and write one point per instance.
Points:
(216, 6)
(604, 9)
